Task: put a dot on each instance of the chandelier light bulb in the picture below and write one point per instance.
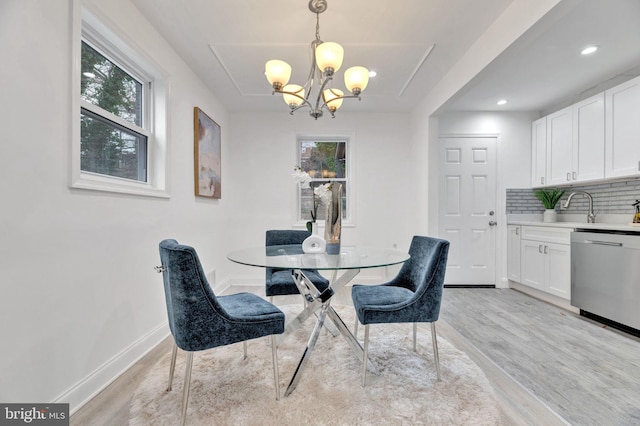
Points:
(278, 73)
(292, 100)
(356, 79)
(333, 98)
(329, 56)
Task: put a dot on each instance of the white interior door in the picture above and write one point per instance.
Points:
(467, 206)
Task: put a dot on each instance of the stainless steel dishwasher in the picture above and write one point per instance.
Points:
(605, 276)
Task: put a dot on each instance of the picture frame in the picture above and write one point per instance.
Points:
(207, 155)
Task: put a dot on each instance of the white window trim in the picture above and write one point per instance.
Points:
(349, 221)
(100, 30)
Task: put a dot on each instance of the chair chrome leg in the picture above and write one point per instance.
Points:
(355, 328)
(435, 349)
(187, 386)
(415, 333)
(172, 367)
(276, 374)
(365, 355)
(244, 349)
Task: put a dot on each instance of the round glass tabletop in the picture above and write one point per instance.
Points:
(292, 257)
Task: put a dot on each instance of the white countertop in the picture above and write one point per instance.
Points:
(609, 222)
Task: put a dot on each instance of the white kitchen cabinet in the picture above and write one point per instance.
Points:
(588, 139)
(546, 259)
(539, 152)
(558, 269)
(559, 146)
(622, 140)
(513, 253)
(575, 142)
(532, 267)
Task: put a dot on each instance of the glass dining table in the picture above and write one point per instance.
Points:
(343, 268)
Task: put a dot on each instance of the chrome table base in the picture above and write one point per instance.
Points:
(316, 301)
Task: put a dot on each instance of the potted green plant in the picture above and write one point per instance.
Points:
(549, 198)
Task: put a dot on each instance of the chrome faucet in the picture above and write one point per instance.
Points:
(591, 216)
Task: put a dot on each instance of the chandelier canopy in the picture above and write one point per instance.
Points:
(327, 60)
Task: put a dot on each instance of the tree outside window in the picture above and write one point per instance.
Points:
(113, 140)
(324, 161)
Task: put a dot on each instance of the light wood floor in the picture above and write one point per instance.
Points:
(586, 372)
(547, 366)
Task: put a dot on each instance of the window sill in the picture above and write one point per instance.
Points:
(303, 224)
(96, 183)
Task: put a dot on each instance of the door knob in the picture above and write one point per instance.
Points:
(493, 223)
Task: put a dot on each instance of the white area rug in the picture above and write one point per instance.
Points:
(227, 390)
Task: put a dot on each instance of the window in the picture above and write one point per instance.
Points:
(119, 137)
(325, 160)
(113, 138)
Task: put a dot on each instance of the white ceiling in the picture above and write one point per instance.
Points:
(544, 70)
(410, 43)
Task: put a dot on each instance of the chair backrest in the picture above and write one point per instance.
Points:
(190, 299)
(282, 237)
(424, 273)
(277, 237)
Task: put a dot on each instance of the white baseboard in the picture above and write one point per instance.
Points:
(83, 391)
(221, 286)
(503, 283)
(545, 297)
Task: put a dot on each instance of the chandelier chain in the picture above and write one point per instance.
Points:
(318, 26)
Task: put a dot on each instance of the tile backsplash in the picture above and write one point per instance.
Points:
(608, 198)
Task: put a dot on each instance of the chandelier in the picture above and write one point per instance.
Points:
(327, 60)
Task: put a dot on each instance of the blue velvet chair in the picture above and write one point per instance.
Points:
(279, 282)
(414, 295)
(200, 320)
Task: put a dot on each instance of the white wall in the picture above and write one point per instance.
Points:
(511, 24)
(263, 193)
(425, 124)
(80, 299)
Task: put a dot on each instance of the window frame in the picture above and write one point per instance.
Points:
(349, 219)
(118, 48)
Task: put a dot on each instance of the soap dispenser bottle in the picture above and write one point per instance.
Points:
(636, 216)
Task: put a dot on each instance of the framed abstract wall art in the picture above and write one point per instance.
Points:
(207, 158)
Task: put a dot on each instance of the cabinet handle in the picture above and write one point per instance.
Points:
(542, 178)
(517, 231)
(539, 248)
(546, 250)
(568, 176)
(575, 175)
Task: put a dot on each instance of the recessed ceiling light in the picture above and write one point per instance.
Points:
(501, 102)
(589, 50)
(372, 73)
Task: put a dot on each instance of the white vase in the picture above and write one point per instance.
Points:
(550, 215)
(314, 243)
